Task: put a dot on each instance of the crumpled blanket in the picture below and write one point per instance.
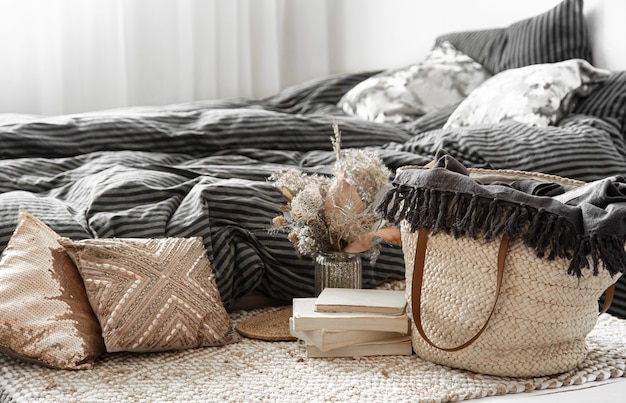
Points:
(586, 222)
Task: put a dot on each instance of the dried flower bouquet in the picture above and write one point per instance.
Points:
(333, 214)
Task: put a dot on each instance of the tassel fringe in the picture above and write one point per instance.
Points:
(548, 234)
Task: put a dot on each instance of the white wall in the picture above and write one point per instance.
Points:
(68, 56)
(381, 34)
(374, 34)
(607, 23)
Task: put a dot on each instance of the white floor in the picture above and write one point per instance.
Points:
(609, 391)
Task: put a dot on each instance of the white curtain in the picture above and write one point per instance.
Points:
(69, 56)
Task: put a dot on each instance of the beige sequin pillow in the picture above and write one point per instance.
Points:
(152, 294)
(45, 316)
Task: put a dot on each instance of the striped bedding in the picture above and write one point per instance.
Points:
(201, 169)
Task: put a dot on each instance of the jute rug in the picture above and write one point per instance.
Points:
(255, 370)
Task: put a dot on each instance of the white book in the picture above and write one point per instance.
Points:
(325, 339)
(389, 302)
(399, 346)
(306, 318)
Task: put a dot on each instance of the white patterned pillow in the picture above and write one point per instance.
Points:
(530, 94)
(152, 294)
(45, 316)
(445, 77)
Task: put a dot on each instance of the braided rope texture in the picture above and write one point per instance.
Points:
(255, 370)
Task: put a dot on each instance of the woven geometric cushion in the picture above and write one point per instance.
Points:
(45, 316)
(152, 294)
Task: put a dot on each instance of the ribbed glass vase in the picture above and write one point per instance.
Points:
(337, 270)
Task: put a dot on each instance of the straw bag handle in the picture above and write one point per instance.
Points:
(418, 279)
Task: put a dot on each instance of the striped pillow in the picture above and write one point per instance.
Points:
(607, 102)
(556, 35)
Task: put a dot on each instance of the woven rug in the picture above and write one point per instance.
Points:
(255, 370)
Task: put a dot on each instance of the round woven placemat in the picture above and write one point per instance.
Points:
(270, 326)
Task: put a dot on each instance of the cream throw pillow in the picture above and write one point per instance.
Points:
(45, 316)
(152, 294)
(444, 77)
(530, 94)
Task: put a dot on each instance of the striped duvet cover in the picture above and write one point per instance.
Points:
(201, 169)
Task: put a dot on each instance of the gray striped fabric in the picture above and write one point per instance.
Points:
(201, 169)
(556, 35)
(607, 102)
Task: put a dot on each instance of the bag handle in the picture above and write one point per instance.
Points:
(608, 298)
(418, 280)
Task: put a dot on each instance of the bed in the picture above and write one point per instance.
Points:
(200, 169)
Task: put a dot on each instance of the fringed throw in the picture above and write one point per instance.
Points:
(588, 222)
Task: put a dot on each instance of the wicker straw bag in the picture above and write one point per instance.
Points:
(495, 307)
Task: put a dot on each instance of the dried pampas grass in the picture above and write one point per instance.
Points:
(325, 214)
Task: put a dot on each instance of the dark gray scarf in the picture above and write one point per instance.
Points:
(589, 221)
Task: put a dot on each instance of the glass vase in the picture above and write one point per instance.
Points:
(337, 270)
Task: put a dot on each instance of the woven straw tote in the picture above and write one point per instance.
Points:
(495, 307)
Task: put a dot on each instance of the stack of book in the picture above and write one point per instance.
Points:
(345, 322)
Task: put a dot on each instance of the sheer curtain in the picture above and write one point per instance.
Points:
(69, 56)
